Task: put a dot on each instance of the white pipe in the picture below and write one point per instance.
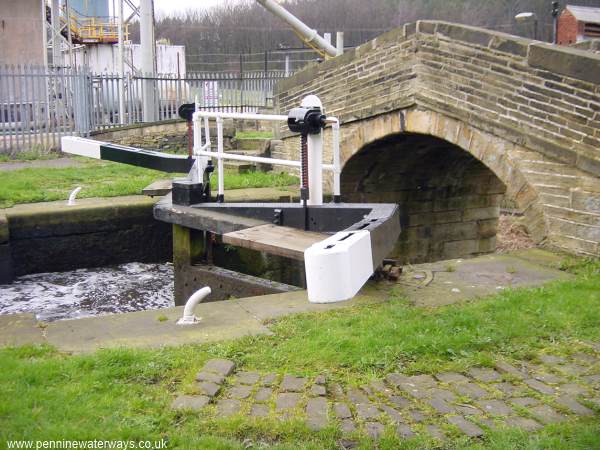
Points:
(307, 34)
(44, 34)
(250, 116)
(56, 36)
(72, 196)
(221, 192)
(339, 42)
(335, 128)
(67, 10)
(315, 169)
(188, 311)
(121, 62)
(196, 174)
(258, 159)
(148, 60)
(206, 131)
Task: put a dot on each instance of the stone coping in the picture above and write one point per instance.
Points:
(572, 62)
(427, 285)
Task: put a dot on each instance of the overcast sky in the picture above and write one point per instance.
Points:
(169, 6)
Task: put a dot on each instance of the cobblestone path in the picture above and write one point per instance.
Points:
(525, 395)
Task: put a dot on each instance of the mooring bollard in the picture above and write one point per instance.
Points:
(72, 196)
(188, 311)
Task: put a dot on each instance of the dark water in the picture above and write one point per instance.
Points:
(90, 292)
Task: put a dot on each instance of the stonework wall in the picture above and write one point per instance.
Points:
(591, 45)
(449, 201)
(169, 135)
(54, 237)
(6, 266)
(529, 111)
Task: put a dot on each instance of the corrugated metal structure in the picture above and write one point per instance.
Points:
(90, 8)
(170, 59)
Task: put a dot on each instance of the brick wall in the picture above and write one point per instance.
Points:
(568, 28)
(535, 108)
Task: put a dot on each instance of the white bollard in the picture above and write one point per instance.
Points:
(72, 196)
(188, 311)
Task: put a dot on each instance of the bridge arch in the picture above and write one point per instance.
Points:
(447, 177)
(527, 110)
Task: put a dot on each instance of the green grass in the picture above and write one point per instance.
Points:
(29, 155)
(125, 394)
(254, 135)
(105, 179)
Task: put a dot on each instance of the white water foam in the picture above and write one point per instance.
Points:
(90, 292)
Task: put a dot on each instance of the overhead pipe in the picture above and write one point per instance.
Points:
(307, 34)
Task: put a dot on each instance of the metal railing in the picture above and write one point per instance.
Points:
(39, 105)
(202, 151)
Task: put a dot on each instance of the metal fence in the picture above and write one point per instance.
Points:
(39, 105)
(290, 60)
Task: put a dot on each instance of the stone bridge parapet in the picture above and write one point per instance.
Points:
(529, 111)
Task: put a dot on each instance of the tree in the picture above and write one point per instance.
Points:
(213, 37)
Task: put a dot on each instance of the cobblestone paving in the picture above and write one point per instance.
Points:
(526, 395)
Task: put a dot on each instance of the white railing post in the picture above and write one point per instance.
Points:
(196, 175)
(315, 148)
(335, 128)
(221, 193)
(315, 169)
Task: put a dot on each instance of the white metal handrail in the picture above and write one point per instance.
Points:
(203, 152)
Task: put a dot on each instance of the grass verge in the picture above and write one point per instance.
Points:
(30, 155)
(106, 179)
(125, 394)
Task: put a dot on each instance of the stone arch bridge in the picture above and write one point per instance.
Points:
(447, 120)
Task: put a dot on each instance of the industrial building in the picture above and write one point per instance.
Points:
(75, 33)
(21, 32)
